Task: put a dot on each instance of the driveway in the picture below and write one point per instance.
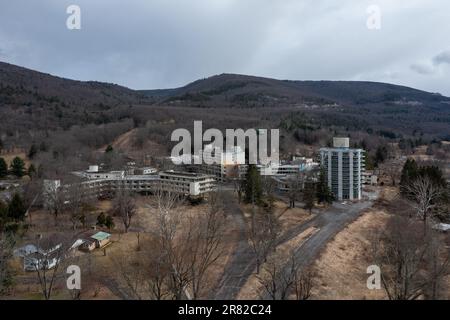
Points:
(241, 264)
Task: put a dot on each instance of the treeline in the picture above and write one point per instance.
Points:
(17, 168)
(12, 214)
(411, 250)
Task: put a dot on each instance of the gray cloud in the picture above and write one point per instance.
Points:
(167, 43)
(434, 65)
(442, 58)
(422, 68)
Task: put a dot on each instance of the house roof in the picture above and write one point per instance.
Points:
(101, 236)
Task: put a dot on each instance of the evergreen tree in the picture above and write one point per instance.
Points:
(109, 222)
(3, 168)
(380, 155)
(18, 167)
(435, 174)
(101, 219)
(370, 165)
(410, 172)
(7, 244)
(31, 171)
(252, 185)
(309, 195)
(3, 215)
(324, 194)
(109, 148)
(82, 219)
(16, 208)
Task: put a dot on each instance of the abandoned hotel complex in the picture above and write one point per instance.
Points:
(343, 166)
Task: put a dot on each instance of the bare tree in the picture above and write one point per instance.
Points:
(158, 272)
(75, 204)
(424, 194)
(6, 246)
(174, 242)
(269, 279)
(145, 273)
(411, 267)
(54, 199)
(277, 279)
(52, 250)
(125, 208)
(207, 242)
(268, 185)
(283, 276)
(263, 232)
(189, 244)
(295, 186)
(437, 266)
(31, 193)
(239, 189)
(303, 284)
(392, 169)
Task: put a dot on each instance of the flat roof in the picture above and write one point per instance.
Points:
(185, 174)
(101, 236)
(340, 149)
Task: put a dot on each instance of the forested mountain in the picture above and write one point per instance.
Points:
(36, 103)
(247, 91)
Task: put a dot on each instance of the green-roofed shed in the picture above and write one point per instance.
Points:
(101, 239)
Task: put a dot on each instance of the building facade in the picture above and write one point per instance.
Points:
(186, 183)
(95, 184)
(344, 168)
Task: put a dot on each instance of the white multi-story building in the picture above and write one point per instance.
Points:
(186, 183)
(96, 184)
(284, 168)
(93, 173)
(231, 164)
(221, 164)
(344, 168)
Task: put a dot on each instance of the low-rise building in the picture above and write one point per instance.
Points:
(108, 183)
(39, 257)
(369, 178)
(94, 240)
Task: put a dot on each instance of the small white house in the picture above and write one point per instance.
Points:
(39, 261)
(36, 258)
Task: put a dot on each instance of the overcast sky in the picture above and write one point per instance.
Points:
(145, 44)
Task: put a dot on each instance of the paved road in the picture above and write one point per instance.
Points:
(241, 265)
(330, 223)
